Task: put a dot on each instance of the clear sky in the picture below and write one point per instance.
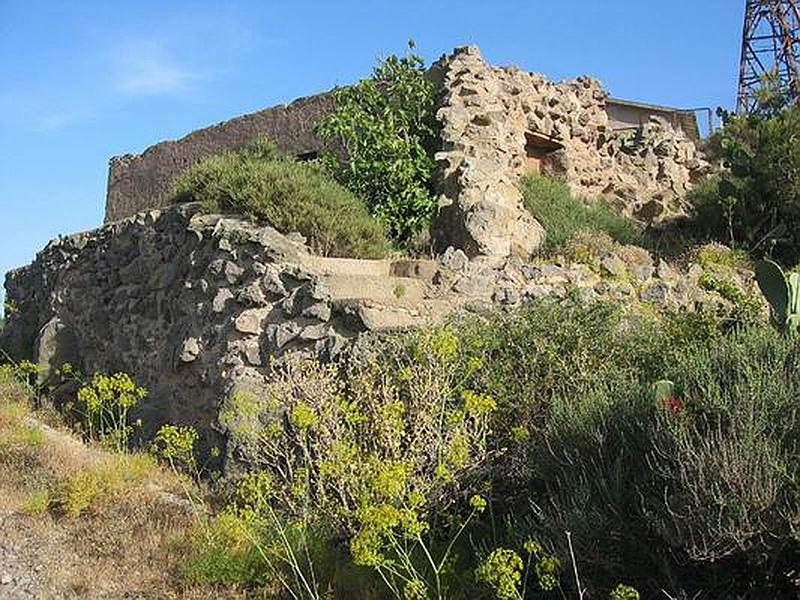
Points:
(84, 80)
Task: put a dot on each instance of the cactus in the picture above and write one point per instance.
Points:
(782, 293)
(662, 390)
(664, 394)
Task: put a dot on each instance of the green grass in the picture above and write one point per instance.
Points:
(259, 184)
(563, 215)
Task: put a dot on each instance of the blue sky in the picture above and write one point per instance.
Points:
(82, 81)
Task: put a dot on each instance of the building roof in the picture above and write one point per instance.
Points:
(685, 118)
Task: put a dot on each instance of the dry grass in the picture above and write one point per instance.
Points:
(98, 525)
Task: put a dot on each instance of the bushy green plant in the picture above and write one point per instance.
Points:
(746, 308)
(366, 434)
(373, 445)
(107, 401)
(175, 445)
(398, 543)
(624, 592)
(753, 202)
(717, 255)
(702, 476)
(505, 573)
(83, 490)
(386, 126)
(664, 444)
(261, 184)
(563, 214)
(223, 552)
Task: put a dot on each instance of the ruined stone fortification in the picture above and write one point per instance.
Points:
(197, 306)
(497, 123)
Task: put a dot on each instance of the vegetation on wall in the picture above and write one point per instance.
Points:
(492, 458)
(476, 459)
(260, 183)
(386, 127)
(563, 214)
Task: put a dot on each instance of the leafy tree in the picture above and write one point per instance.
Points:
(385, 124)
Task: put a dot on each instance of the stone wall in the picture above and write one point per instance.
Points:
(197, 306)
(495, 118)
(142, 181)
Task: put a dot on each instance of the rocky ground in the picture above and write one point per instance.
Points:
(24, 554)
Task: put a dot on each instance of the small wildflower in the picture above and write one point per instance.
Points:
(520, 433)
(478, 503)
(502, 571)
(478, 405)
(304, 416)
(532, 546)
(624, 592)
(672, 404)
(415, 590)
(547, 569)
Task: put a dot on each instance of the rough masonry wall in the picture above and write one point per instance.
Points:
(198, 306)
(142, 182)
(490, 115)
(195, 306)
(190, 305)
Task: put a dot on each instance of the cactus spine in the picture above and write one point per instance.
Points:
(782, 293)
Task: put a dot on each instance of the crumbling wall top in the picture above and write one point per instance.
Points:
(138, 182)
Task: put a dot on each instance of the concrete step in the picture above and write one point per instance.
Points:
(413, 268)
(404, 292)
(374, 316)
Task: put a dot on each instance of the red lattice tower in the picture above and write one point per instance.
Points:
(770, 48)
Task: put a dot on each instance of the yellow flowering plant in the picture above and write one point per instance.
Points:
(107, 401)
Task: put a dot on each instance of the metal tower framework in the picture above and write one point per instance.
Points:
(770, 48)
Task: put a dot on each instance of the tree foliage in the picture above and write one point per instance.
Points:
(754, 201)
(386, 126)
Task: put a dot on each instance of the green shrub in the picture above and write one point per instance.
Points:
(753, 203)
(291, 196)
(552, 430)
(703, 477)
(89, 486)
(222, 552)
(385, 124)
(717, 255)
(363, 433)
(175, 444)
(563, 215)
(106, 401)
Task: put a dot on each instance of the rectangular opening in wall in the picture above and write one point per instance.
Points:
(537, 146)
